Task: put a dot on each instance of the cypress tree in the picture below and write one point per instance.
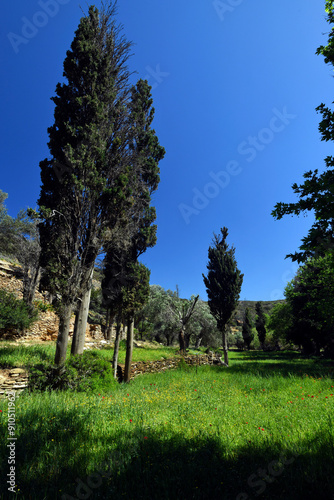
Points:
(223, 283)
(260, 323)
(95, 183)
(247, 329)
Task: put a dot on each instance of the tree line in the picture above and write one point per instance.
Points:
(95, 202)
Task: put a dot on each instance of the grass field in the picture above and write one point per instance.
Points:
(262, 428)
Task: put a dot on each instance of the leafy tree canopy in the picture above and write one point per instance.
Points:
(317, 192)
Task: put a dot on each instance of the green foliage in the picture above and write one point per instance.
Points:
(260, 323)
(7, 228)
(14, 313)
(224, 280)
(137, 290)
(247, 329)
(80, 373)
(43, 306)
(161, 321)
(311, 298)
(183, 366)
(122, 344)
(316, 193)
(198, 434)
(97, 311)
(280, 322)
(237, 340)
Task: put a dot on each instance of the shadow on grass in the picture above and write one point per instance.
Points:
(149, 466)
(280, 363)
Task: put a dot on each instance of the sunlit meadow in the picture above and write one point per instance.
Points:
(261, 428)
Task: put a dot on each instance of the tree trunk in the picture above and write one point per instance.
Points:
(198, 341)
(109, 325)
(182, 341)
(62, 340)
(187, 340)
(29, 284)
(116, 347)
(129, 349)
(225, 348)
(79, 334)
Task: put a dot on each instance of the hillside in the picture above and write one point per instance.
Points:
(243, 304)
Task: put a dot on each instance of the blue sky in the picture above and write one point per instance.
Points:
(235, 87)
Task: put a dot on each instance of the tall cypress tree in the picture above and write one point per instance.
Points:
(223, 283)
(260, 323)
(247, 329)
(94, 183)
(140, 232)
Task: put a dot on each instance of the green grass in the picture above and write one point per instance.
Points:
(25, 355)
(264, 425)
(19, 355)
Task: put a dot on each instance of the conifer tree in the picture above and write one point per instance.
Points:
(223, 283)
(247, 329)
(96, 182)
(260, 323)
(135, 296)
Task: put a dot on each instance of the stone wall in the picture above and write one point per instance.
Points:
(141, 367)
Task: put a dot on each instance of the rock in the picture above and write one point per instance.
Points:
(17, 371)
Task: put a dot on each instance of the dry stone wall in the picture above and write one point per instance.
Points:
(141, 367)
(15, 379)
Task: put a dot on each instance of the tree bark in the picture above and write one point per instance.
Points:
(30, 281)
(79, 334)
(124, 331)
(198, 341)
(116, 347)
(129, 349)
(109, 325)
(182, 341)
(187, 339)
(225, 349)
(62, 340)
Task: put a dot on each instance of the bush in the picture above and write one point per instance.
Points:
(239, 341)
(183, 366)
(43, 306)
(122, 344)
(14, 313)
(80, 373)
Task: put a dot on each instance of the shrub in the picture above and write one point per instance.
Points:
(80, 373)
(239, 341)
(14, 313)
(43, 306)
(122, 344)
(183, 366)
